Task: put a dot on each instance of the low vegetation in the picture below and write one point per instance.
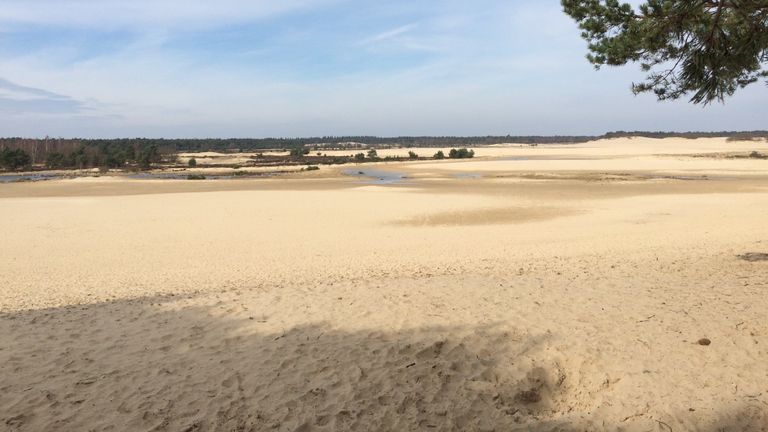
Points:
(461, 153)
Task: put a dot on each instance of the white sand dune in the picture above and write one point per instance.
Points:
(550, 294)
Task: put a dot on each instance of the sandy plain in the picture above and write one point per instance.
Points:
(532, 288)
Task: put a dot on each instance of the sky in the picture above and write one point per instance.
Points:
(289, 68)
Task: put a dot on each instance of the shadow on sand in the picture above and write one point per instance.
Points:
(170, 363)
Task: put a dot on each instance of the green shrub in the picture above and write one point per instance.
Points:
(360, 157)
(312, 168)
(461, 153)
(195, 177)
(439, 155)
(192, 162)
(412, 155)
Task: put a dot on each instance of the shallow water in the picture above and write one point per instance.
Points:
(374, 176)
(177, 176)
(467, 175)
(12, 178)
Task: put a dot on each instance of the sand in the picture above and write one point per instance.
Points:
(541, 295)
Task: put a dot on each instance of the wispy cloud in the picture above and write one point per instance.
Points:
(18, 99)
(133, 13)
(387, 35)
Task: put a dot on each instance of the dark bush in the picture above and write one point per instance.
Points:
(114, 160)
(412, 155)
(130, 153)
(461, 153)
(14, 159)
(299, 151)
(439, 155)
(55, 160)
(147, 156)
(192, 162)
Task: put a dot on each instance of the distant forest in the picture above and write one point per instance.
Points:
(141, 153)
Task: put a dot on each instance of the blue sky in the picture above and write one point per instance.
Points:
(256, 68)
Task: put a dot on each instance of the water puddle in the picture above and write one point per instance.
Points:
(200, 176)
(467, 175)
(13, 178)
(378, 177)
(180, 176)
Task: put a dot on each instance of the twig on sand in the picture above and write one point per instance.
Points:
(647, 319)
(633, 416)
(663, 424)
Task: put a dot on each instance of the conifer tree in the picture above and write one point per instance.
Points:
(707, 49)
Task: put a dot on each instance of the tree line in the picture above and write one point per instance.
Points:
(21, 153)
(142, 153)
(38, 149)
